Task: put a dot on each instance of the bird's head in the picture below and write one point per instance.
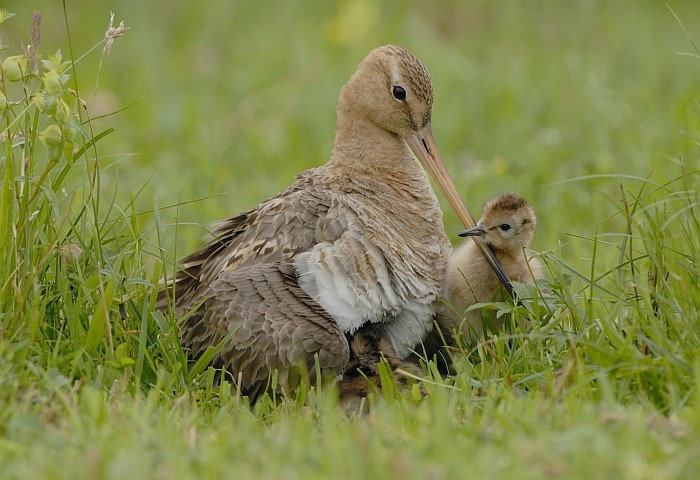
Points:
(507, 223)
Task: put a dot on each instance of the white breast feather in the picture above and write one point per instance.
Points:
(351, 280)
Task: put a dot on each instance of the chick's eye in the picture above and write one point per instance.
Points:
(505, 227)
(399, 93)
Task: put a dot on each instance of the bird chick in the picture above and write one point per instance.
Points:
(367, 349)
(507, 225)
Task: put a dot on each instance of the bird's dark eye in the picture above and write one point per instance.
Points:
(399, 93)
(505, 227)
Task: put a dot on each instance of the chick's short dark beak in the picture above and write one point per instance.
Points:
(477, 231)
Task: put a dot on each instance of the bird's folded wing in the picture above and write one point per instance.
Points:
(274, 325)
(275, 231)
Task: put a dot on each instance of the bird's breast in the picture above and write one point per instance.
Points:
(385, 267)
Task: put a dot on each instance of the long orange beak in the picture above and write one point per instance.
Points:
(425, 148)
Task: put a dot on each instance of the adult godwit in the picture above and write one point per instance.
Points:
(506, 226)
(358, 241)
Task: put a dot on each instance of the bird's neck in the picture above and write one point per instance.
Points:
(362, 148)
(512, 252)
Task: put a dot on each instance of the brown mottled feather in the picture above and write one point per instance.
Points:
(270, 232)
(276, 325)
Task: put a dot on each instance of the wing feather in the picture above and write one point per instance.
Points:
(275, 325)
(275, 231)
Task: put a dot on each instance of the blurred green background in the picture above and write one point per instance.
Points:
(235, 97)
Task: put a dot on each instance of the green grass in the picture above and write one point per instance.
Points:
(585, 108)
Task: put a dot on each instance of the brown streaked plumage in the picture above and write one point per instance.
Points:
(354, 242)
(507, 225)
